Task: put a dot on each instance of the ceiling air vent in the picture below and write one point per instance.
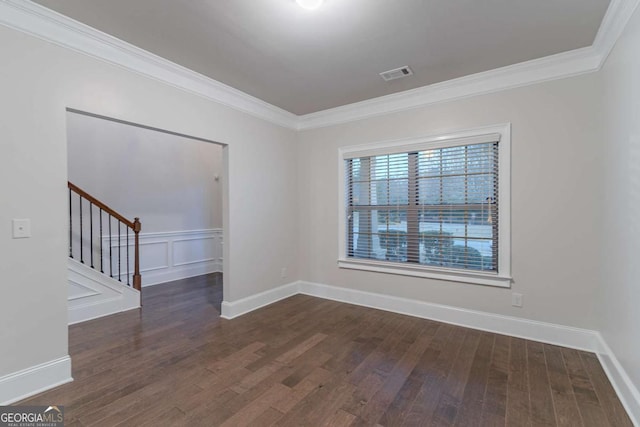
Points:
(398, 73)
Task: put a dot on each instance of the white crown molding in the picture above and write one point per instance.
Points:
(553, 67)
(612, 26)
(43, 23)
(562, 65)
(31, 18)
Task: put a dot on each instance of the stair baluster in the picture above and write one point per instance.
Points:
(101, 256)
(128, 257)
(81, 239)
(134, 225)
(70, 227)
(119, 247)
(91, 232)
(110, 250)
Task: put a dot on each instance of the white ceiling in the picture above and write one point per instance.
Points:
(306, 61)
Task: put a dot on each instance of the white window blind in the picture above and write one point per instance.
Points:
(434, 207)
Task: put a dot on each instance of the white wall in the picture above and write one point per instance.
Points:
(166, 180)
(619, 299)
(38, 81)
(556, 193)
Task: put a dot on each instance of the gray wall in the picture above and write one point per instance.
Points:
(574, 168)
(619, 296)
(166, 180)
(37, 84)
(556, 193)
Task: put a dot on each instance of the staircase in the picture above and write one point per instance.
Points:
(104, 259)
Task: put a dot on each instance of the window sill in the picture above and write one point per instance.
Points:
(477, 278)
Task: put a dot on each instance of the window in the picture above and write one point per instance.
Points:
(433, 207)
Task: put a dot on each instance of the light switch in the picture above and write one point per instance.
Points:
(21, 228)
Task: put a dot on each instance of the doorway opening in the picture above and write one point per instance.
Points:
(174, 183)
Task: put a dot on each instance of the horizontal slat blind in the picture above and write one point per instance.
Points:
(411, 147)
(435, 207)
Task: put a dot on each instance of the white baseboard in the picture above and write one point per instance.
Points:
(158, 277)
(36, 379)
(99, 309)
(627, 392)
(582, 339)
(231, 310)
(565, 336)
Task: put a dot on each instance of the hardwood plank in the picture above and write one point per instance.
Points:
(390, 335)
(564, 401)
(450, 398)
(354, 349)
(542, 413)
(307, 361)
(241, 358)
(588, 404)
(518, 408)
(611, 405)
(306, 367)
(168, 417)
(390, 349)
(474, 391)
(315, 380)
(320, 404)
(376, 408)
(495, 400)
(257, 407)
(268, 418)
(340, 419)
(430, 370)
(283, 362)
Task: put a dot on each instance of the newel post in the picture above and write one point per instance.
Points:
(137, 279)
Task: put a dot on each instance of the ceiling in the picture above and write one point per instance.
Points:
(307, 61)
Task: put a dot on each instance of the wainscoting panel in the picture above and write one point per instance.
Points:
(194, 250)
(171, 255)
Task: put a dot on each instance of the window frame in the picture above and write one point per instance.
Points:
(501, 278)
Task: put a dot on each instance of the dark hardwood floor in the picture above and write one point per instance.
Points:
(308, 361)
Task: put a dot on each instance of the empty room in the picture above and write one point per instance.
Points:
(320, 213)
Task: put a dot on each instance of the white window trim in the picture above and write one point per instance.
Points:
(503, 277)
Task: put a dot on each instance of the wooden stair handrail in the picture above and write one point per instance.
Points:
(101, 205)
(135, 225)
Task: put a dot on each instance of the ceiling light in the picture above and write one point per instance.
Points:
(310, 4)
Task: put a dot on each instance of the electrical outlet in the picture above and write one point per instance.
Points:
(516, 299)
(21, 228)
(283, 272)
